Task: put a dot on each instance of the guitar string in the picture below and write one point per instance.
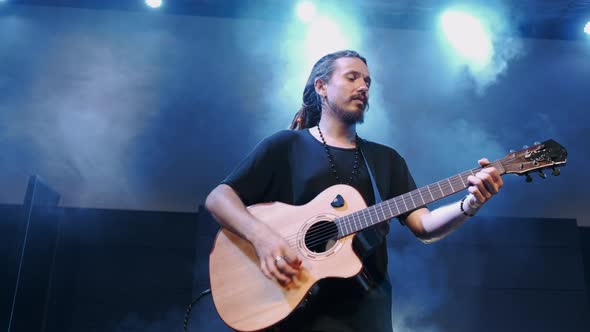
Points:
(321, 234)
(371, 212)
(445, 183)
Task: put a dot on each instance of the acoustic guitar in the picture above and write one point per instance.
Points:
(321, 233)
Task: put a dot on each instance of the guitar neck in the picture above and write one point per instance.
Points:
(391, 208)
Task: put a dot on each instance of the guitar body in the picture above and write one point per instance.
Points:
(244, 298)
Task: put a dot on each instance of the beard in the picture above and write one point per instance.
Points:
(349, 117)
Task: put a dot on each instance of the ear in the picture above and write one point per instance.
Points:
(320, 87)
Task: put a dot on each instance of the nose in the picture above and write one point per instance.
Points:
(364, 89)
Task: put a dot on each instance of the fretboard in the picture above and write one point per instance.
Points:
(396, 206)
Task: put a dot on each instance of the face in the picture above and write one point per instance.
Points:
(347, 91)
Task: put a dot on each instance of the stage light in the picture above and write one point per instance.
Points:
(467, 36)
(306, 11)
(154, 3)
(587, 28)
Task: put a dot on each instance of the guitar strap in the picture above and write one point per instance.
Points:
(370, 238)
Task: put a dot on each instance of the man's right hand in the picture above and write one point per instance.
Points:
(278, 261)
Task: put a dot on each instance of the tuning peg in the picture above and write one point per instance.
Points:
(555, 171)
(512, 150)
(525, 146)
(528, 177)
(542, 175)
(536, 143)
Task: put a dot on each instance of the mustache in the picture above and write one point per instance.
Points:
(362, 97)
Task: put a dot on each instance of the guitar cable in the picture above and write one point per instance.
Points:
(190, 307)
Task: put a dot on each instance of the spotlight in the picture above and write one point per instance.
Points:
(467, 35)
(587, 28)
(306, 11)
(154, 3)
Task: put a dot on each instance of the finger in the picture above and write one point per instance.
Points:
(278, 275)
(485, 184)
(265, 269)
(292, 259)
(475, 192)
(489, 188)
(494, 181)
(483, 161)
(286, 269)
(477, 188)
(496, 177)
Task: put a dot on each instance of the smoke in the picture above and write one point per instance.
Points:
(505, 50)
(501, 26)
(87, 102)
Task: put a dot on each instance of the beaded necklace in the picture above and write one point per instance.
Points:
(355, 165)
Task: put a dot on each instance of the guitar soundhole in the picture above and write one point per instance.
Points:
(321, 236)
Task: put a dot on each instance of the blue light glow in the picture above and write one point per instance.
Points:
(306, 11)
(587, 28)
(154, 3)
(467, 36)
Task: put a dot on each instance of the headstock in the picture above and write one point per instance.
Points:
(548, 154)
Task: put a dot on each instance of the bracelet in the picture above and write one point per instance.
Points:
(461, 206)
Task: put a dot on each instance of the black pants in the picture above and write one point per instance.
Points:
(343, 305)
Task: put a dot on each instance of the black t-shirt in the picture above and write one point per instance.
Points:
(292, 167)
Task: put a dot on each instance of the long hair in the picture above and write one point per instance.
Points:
(311, 110)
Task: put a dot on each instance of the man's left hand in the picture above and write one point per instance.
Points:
(485, 184)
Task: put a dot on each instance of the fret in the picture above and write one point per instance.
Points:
(343, 225)
(370, 221)
(389, 207)
(462, 181)
(375, 211)
(412, 198)
(382, 213)
(356, 227)
(348, 225)
(448, 180)
(363, 220)
(396, 207)
(421, 197)
(403, 200)
(373, 222)
(442, 193)
(428, 187)
(370, 212)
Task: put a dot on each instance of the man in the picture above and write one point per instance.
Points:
(294, 166)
